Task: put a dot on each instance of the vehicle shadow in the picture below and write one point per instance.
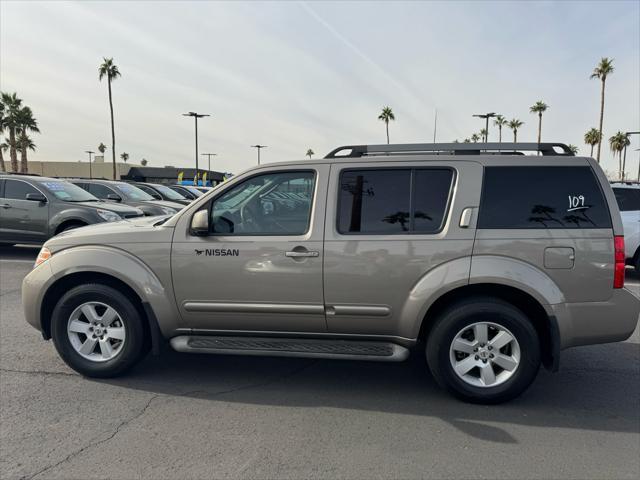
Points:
(597, 389)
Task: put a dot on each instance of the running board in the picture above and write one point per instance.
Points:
(291, 347)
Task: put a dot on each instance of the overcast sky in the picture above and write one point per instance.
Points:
(313, 75)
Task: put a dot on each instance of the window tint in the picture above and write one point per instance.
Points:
(380, 202)
(17, 189)
(542, 197)
(101, 191)
(271, 204)
(430, 197)
(628, 199)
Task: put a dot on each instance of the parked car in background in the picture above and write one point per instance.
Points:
(187, 191)
(33, 208)
(493, 263)
(114, 191)
(162, 192)
(628, 197)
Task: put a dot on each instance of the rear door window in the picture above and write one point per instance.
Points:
(628, 199)
(542, 198)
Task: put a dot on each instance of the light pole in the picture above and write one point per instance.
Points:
(486, 116)
(90, 153)
(196, 116)
(209, 155)
(624, 162)
(259, 147)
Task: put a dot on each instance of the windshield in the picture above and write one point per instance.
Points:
(68, 191)
(167, 192)
(131, 192)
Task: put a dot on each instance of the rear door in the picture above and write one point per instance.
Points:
(23, 220)
(390, 224)
(552, 217)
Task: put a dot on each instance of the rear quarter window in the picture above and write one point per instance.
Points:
(542, 198)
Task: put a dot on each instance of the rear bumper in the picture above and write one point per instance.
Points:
(597, 322)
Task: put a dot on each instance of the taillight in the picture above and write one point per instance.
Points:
(618, 272)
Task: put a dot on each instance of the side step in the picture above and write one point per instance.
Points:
(291, 347)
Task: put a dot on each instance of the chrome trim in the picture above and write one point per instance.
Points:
(223, 307)
(364, 310)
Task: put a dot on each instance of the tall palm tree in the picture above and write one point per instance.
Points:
(573, 149)
(124, 156)
(592, 138)
(500, 122)
(475, 137)
(602, 71)
(515, 124)
(110, 70)
(386, 116)
(483, 134)
(12, 105)
(3, 146)
(310, 153)
(144, 162)
(617, 144)
(102, 148)
(26, 123)
(539, 107)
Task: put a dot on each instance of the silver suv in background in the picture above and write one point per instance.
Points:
(34, 208)
(114, 191)
(628, 197)
(490, 261)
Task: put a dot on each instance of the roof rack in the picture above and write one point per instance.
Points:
(355, 151)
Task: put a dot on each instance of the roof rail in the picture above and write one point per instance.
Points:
(355, 151)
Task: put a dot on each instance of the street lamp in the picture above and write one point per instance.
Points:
(624, 162)
(209, 155)
(259, 147)
(90, 152)
(196, 116)
(486, 116)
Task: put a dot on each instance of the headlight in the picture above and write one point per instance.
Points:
(109, 216)
(168, 211)
(43, 256)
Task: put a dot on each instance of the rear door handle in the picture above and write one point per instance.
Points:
(5, 205)
(298, 254)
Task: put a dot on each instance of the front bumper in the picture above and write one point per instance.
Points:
(597, 322)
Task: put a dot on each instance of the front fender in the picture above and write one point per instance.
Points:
(106, 260)
(76, 214)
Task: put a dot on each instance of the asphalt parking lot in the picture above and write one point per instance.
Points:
(196, 416)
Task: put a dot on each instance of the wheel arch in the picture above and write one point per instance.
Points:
(69, 221)
(545, 324)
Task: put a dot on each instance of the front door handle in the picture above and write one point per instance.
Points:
(5, 205)
(301, 254)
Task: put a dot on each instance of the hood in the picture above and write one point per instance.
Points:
(119, 208)
(138, 230)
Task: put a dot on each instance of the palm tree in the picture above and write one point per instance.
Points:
(467, 140)
(475, 137)
(573, 149)
(3, 148)
(539, 107)
(617, 144)
(26, 123)
(143, 162)
(124, 156)
(102, 148)
(3, 145)
(515, 124)
(483, 134)
(500, 122)
(110, 70)
(11, 107)
(310, 153)
(602, 70)
(386, 116)
(592, 137)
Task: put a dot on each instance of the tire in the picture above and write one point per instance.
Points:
(460, 322)
(127, 349)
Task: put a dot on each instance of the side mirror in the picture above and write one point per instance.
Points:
(113, 197)
(36, 197)
(200, 223)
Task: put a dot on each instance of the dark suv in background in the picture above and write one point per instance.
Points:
(114, 191)
(33, 209)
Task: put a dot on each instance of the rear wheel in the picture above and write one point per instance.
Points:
(483, 350)
(97, 331)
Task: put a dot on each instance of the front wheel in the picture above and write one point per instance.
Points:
(483, 350)
(97, 331)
